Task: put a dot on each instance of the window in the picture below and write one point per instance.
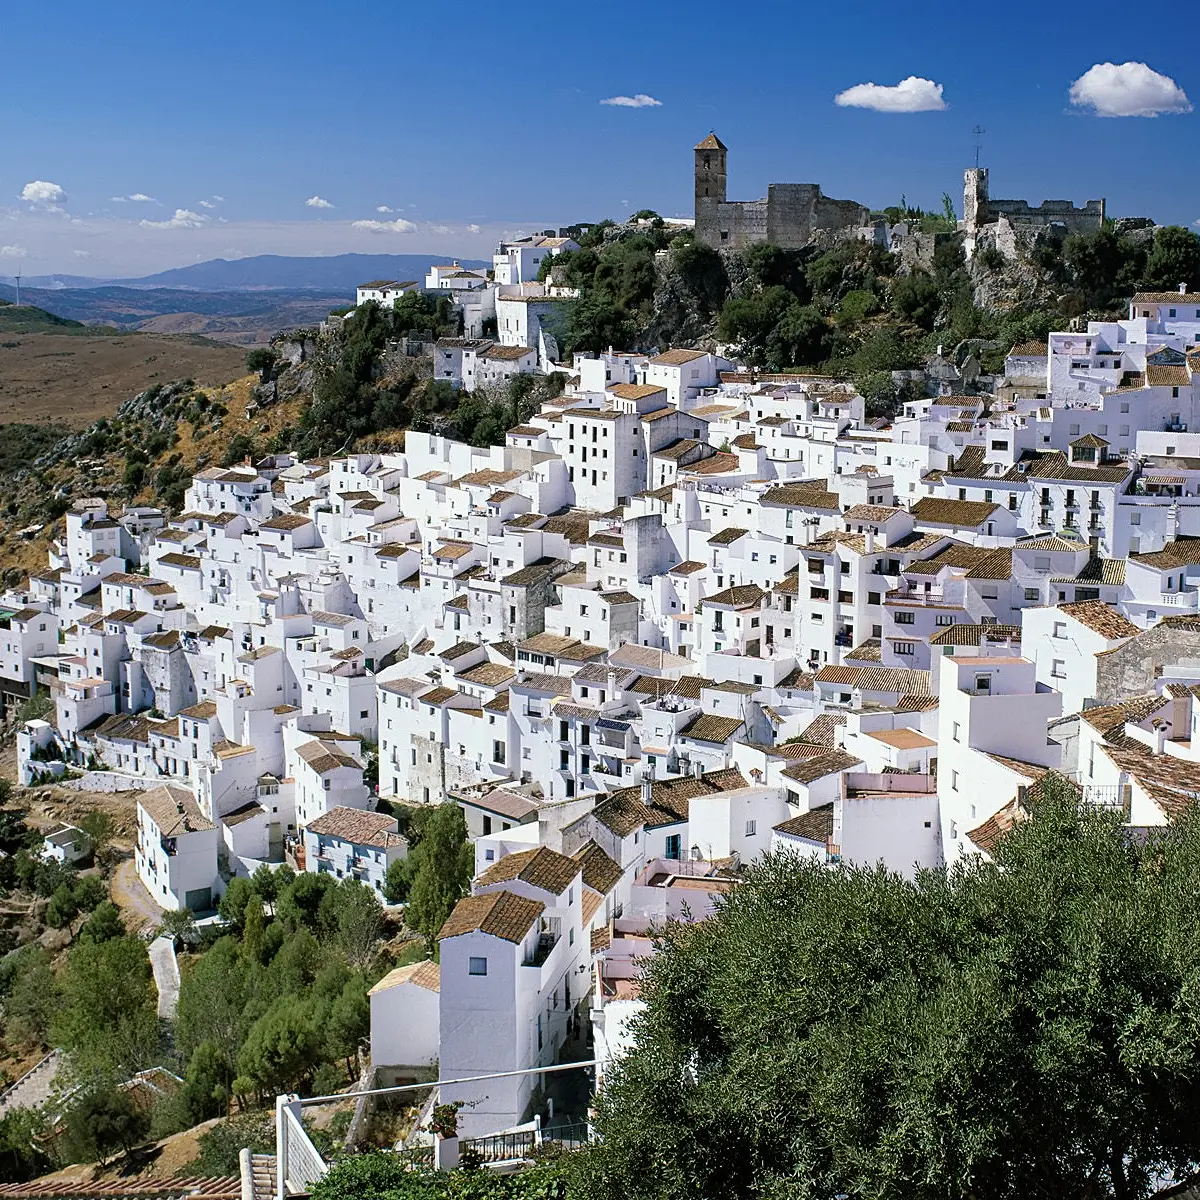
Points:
(906, 648)
(751, 828)
(954, 781)
(905, 618)
(477, 966)
(1058, 669)
(983, 683)
(674, 846)
(1135, 518)
(1060, 629)
(1031, 593)
(498, 752)
(957, 732)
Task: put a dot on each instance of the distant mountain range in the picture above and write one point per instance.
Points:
(263, 272)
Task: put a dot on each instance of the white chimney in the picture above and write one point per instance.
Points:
(1160, 736)
(1183, 289)
(870, 540)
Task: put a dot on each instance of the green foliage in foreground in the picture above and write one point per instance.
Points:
(390, 1177)
(1017, 1029)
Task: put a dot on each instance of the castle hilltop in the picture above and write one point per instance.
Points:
(790, 215)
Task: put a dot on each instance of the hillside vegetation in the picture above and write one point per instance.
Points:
(853, 310)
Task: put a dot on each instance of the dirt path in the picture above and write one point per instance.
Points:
(130, 896)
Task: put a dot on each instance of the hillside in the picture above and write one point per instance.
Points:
(243, 318)
(340, 272)
(25, 318)
(66, 374)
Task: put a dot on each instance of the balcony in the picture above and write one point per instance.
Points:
(904, 596)
(1179, 599)
(542, 951)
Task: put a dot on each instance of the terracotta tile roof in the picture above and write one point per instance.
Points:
(809, 770)
(200, 712)
(1186, 299)
(715, 464)
(437, 695)
(358, 826)
(816, 825)
(287, 521)
(727, 536)
(1101, 618)
(502, 914)
(1182, 552)
(427, 975)
(1019, 766)
(974, 635)
(988, 835)
(163, 1188)
(878, 679)
(690, 567)
(710, 728)
(174, 810)
(600, 872)
(966, 514)
(323, 757)
(997, 565)
(903, 739)
(871, 512)
(677, 358)
(541, 868)
(820, 731)
(1108, 572)
(1110, 718)
(712, 142)
(742, 595)
(1056, 466)
(1029, 350)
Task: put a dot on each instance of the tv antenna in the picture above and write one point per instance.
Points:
(978, 133)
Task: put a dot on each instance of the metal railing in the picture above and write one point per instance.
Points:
(503, 1147)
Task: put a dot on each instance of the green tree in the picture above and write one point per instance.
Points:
(102, 1120)
(351, 916)
(214, 995)
(283, 1046)
(444, 865)
(915, 297)
(62, 908)
(262, 360)
(180, 926)
(98, 827)
(23, 1133)
(377, 1175)
(397, 880)
(300, 903)
(254, 928)
(30, 1003)
(106, 1018)
(208, 1084)
(1174, 259)
(1016, 1028)
(266, 883)
(349, 1022)
(232, 905)
(103, 925)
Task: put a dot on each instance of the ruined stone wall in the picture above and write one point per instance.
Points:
(1131, 669)
(791, 216)
(1087, 219)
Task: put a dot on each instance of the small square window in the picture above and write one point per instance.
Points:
(477, 966)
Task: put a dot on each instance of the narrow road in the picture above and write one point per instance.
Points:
(166, 976)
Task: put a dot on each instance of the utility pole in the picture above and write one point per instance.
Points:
(978, 133)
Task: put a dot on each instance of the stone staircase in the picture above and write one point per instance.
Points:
(35, 1087)
(257, 1175)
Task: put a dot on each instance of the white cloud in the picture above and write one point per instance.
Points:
(184, 218)
(641, 100)
(399, 225)
(136, 198)
(477, 229)
(13, 252)
(383, 208)
(43, 194)
(913, 94)
(207, 204)
(317, 202)
(82, 253)
(1129, 90)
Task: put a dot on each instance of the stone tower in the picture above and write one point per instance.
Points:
(975, 198)
(710, 178)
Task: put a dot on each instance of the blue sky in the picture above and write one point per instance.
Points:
(469, 121)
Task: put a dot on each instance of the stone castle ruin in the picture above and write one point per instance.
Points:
(979, 209)
(790, 215)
